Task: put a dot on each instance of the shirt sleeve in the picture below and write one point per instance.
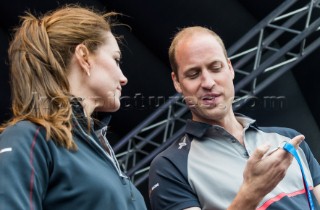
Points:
(23, 167)
(168, 185)
(312, 162)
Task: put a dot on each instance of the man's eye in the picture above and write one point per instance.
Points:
(192, 75)
(216, 66)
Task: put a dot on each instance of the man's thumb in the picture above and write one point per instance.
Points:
(296, 141)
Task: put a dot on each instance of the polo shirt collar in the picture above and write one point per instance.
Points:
(199, 129)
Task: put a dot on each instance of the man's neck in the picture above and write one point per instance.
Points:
(232, 126)
(235, 128)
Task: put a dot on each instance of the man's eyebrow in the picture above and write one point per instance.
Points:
(215, 62)
(196, 68)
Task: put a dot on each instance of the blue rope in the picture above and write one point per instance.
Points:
(290, 148)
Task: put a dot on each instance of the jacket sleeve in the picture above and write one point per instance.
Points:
(23, 167)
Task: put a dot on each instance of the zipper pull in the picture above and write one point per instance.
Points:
(131, 191)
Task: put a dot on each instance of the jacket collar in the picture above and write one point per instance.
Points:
(79, 114)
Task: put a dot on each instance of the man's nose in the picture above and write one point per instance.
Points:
(207, 80)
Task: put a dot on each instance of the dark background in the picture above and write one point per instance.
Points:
(145, 60)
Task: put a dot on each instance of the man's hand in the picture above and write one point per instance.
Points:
(262, 174)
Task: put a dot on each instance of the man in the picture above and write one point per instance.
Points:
(224, 161)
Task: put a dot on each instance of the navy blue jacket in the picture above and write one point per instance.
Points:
(37, 174)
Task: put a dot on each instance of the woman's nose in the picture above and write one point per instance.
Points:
(123, 80)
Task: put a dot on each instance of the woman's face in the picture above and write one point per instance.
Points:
(106, 79)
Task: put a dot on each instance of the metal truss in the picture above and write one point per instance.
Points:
(259, 58)
(272, 55)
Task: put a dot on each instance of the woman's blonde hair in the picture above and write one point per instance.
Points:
(39, 55)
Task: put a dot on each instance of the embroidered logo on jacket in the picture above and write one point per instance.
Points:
(183, 143)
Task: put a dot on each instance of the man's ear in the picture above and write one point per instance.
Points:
(82, 56)
(176, 82)
(231, 68)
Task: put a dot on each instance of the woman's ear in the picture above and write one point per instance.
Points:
(82, 57)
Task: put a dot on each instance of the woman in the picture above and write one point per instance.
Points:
(64, 66)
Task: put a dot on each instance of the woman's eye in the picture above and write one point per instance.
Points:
(118, 61)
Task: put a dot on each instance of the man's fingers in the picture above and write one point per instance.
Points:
(296, 141)
(260, 151)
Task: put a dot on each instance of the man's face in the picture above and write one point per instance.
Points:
(205, 77)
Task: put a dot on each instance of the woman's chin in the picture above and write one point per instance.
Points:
(108, 109)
